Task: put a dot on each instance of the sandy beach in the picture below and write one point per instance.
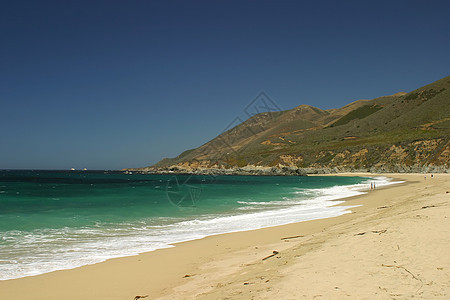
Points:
(393, 245)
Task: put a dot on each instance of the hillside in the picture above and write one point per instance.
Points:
(403, 132)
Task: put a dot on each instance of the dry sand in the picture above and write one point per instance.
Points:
(395, 246)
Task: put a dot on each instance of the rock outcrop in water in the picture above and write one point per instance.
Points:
(247, 170)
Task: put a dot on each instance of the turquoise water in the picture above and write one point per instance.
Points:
(53, 220)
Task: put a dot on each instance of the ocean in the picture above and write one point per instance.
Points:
(54, 220)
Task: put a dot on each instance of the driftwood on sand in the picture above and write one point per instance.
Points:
(274, 253)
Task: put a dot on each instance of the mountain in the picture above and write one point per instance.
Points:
(404, 132)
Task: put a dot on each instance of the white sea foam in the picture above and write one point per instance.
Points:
(48, 250)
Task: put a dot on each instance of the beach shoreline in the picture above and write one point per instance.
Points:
(232, 264)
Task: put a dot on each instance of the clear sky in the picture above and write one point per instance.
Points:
(115, 84)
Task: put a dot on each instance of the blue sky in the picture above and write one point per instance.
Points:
(115, 84)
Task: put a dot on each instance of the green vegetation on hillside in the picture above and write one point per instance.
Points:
(426, 94)
(359, 113)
